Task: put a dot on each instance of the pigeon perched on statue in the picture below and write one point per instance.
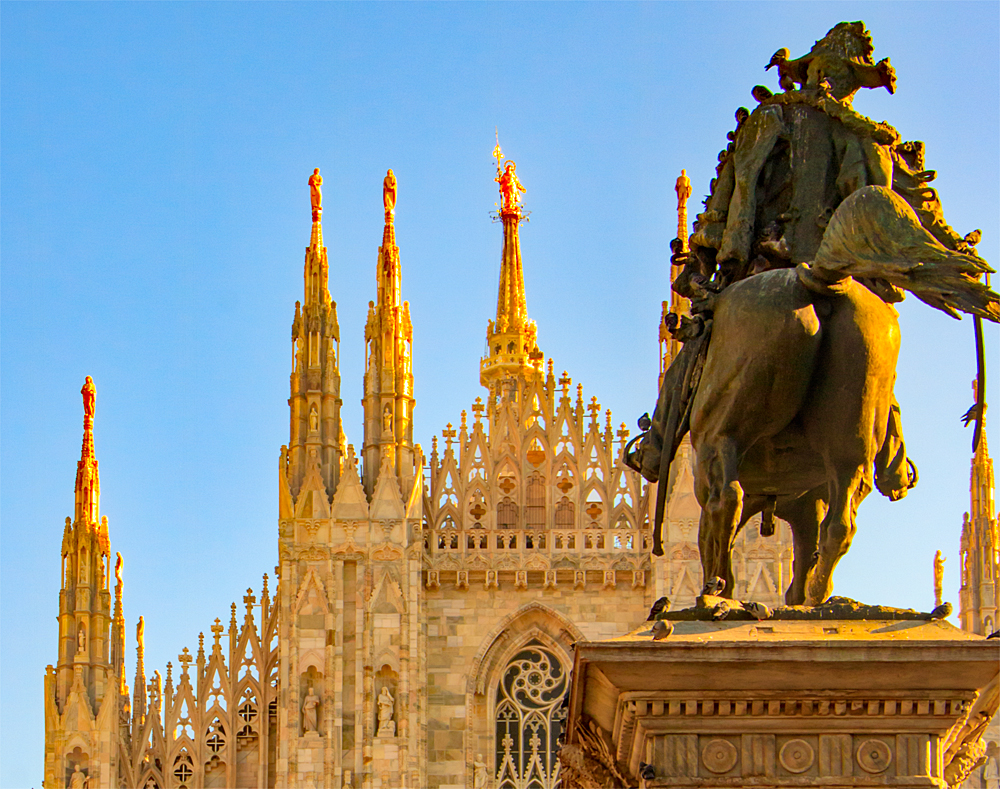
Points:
(662, 628)
(780, 60)
(659, 607)
(758, 611)
(710, 599)
(714, 586)
(721, 609)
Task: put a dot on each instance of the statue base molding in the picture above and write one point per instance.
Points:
(780, 703)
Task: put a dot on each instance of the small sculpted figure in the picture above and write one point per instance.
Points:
(89, 393)
(386, 705)
(81, 640)
(387, 421)
(939, 561)
(310, 714)
(140, 633)
(313, 419)
(389, 193)
(510, 188)
(119, 563)
(316, 192)
(479, 773)
(78, 780)
(683, 187)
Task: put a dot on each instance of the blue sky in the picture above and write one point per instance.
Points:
(155, 212)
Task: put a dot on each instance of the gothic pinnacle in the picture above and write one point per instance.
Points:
(88, 486)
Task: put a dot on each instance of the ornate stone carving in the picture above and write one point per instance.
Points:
(796, 756)
(719, 756)
(874, 756)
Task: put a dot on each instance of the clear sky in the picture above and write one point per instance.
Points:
(155, 213)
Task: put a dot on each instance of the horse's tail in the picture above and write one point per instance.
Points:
(875, 234)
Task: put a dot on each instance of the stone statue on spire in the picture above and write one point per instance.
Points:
(939, 561)
(683, 189)
(89, 392)
(389, 194)
(316, 194)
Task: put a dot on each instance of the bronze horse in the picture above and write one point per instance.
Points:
(790, 406)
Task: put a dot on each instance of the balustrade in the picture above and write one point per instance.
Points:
(473, 542)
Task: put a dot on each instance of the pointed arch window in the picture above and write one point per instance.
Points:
(565, 514)
(534, 511)
(506, 514)
(529, 719)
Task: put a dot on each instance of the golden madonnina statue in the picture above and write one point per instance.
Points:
(510, 188)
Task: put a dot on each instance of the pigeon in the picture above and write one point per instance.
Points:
(714, 586)
(659, 606)
(761, 93)
(721, 610)
(662, 628)
(758, 611)
(779, 57)
(994, 634)
(646, 771)
(645, 422)
(943, 611)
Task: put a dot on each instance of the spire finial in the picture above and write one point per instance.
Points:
(510, 185)
(87, 486)
(89, 392)
(511, 342)
(316, 194)
(683, 189)
(389, 196)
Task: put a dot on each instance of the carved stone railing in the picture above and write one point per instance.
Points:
(467, 543)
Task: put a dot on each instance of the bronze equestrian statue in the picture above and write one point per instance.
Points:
(818, 220)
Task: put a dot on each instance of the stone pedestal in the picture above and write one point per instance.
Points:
(777, 704)
(386, 767)
(310, 761)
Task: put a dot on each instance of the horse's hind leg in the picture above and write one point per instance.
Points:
(836, 531)
(804, 515)
(721, 498)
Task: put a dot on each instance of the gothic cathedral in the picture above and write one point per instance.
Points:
(421, 624)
